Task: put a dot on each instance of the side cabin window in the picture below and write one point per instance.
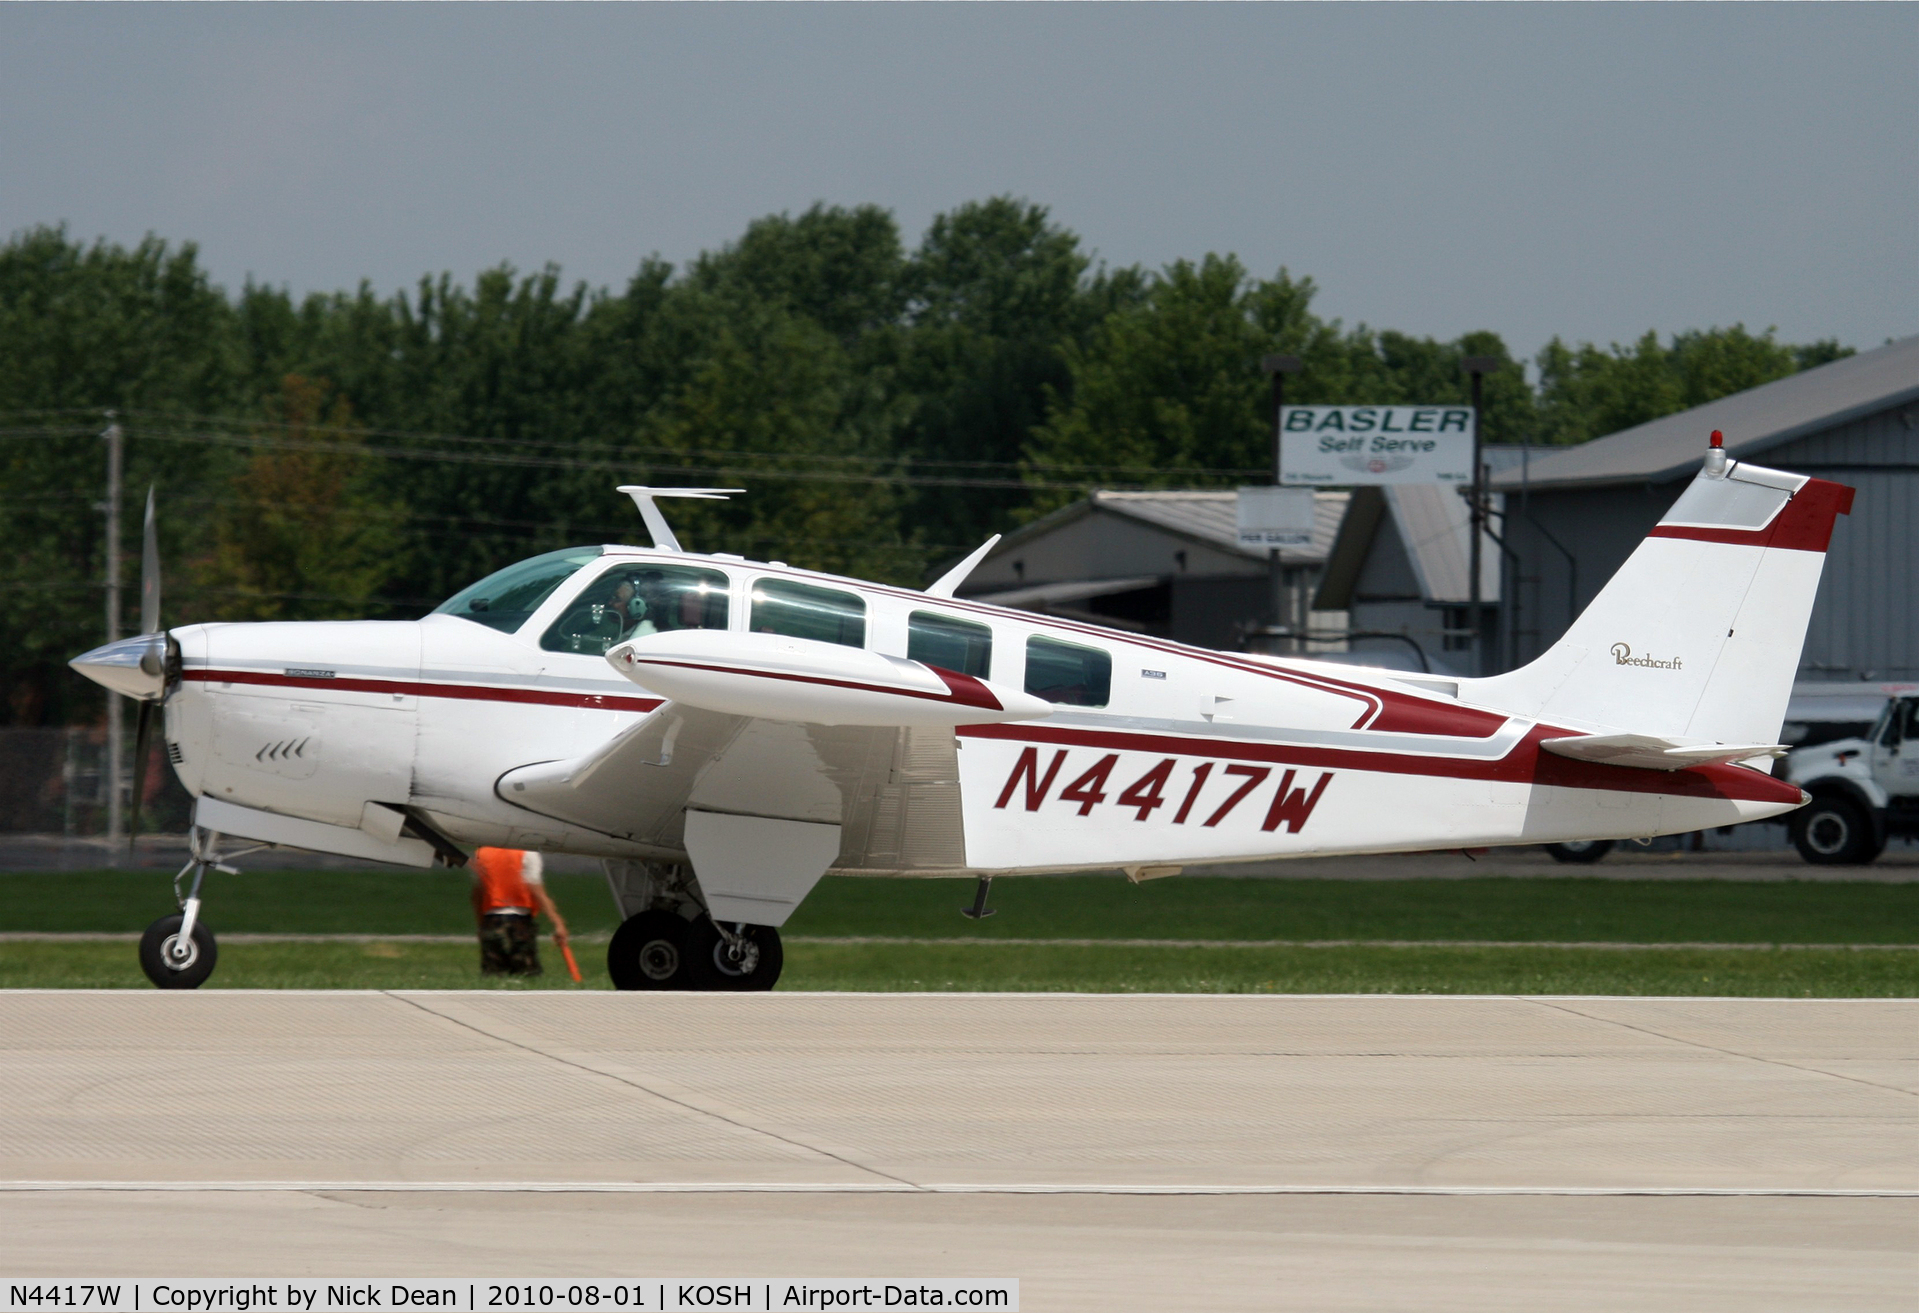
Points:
(632, 601)
(826, 615)
(1067, 673)
(950, 643)
(507, 599)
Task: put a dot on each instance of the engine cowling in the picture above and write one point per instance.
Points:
(800, 679)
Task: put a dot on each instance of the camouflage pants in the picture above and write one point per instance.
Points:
(509, 945)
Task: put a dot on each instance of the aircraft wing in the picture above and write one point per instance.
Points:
(1650, 752)
(774, 759)
(761, 807)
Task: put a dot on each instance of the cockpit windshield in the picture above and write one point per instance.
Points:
(506, 599)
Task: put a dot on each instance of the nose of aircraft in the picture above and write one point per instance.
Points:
(133, 666)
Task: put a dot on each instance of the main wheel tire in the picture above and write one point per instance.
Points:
(172, 963)
(654, 950)
(753, 963)
(1579, 852)
(1834, 832)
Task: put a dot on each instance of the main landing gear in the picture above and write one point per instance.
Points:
(179, 952)
(661, 949)
(669, 942)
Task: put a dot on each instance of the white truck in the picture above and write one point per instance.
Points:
(1865, 788)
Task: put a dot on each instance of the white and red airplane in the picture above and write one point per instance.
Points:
(724, 732)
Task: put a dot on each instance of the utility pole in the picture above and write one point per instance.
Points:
(1283, 606)
(110, 770)
(1477, 367)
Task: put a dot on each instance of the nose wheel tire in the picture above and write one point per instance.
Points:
(750, 961)
(174, 962)
(1834, 832)
(654, 950)
(1580, 852)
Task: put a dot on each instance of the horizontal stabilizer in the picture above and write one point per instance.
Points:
(1649, 752)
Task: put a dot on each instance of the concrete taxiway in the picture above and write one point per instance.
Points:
(1110, 1151)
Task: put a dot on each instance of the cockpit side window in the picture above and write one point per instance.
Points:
(632, 601)
(507, 599)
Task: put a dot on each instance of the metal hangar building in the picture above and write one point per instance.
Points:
(1571, 518)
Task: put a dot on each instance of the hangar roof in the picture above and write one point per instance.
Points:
(1753, 421)
(1152, 524)
(1214, 517)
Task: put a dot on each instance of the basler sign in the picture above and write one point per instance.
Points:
(1329, 446)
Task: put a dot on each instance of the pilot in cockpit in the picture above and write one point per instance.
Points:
(628, 610)
(651, 605)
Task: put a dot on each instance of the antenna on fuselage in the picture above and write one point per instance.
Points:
(949, 582)
(655, 522)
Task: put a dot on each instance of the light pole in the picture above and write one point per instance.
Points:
(116, 818)
(1477, 367)
(1283, 618)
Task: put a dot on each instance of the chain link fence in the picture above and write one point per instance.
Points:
(54, 782)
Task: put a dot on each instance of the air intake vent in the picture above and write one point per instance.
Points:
(176, 756)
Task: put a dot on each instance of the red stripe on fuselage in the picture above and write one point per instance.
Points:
(1526, 763)
(420, 688)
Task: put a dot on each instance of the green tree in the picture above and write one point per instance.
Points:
(1586, 392)
(995, 293)
(1169, 389)
(87, 330)
(306, 531)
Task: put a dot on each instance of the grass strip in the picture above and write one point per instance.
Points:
(1573, 910)
(1800, 973)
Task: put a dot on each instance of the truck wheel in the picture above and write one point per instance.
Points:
(1581, 852)
(1834, 832)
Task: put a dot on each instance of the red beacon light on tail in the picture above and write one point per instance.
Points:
(1716, 456)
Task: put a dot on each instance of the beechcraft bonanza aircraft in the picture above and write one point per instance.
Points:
(723, 732)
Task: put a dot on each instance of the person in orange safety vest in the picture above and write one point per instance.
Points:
(508, 892)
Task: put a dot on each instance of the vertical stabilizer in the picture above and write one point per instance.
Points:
(1698, 635)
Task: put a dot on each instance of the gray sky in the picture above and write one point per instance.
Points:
(1591, 171)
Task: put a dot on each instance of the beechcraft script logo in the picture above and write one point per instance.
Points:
(1622, 656)
(1201, 798)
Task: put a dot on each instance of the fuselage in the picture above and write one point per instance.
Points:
(1155, 755)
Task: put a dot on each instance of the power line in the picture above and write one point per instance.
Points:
(524, 453)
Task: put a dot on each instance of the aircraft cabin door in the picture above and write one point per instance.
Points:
(1895, 756)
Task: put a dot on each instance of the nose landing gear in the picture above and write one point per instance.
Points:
(179, 952)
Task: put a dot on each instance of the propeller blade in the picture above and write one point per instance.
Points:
(142, 745)
(150, 573)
